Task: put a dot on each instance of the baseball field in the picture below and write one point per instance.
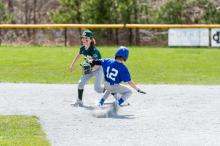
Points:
(18, 130)
(181, 106)
(147, 65)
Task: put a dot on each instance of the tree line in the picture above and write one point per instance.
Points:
(109, 12)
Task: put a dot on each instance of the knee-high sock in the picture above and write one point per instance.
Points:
(80, 94)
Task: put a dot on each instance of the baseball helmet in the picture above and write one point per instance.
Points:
(87, 33)
(122, 52)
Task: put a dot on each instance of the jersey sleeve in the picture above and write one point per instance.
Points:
(96, 54)
(126, 75)
(102, 60)
(81, 50)
(97, 62)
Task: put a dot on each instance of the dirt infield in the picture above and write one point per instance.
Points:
(168, 115)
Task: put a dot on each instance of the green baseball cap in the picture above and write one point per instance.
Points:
(87, 33)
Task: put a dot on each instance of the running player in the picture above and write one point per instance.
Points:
(116, 72)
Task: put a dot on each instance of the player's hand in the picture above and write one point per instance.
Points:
(71, 67)
(140, 91)
(89, 59)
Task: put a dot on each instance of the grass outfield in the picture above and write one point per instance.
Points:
(21, 131)
(147, 65)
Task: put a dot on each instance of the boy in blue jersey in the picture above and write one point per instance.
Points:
(116, 72)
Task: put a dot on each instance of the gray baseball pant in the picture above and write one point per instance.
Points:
(117, 88)
(98, 80)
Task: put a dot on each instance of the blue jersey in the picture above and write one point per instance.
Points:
(115, 72)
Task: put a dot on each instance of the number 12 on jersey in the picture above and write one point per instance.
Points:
(111, 74)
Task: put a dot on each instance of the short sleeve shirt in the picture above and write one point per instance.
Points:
(115, 72)
(91, 51)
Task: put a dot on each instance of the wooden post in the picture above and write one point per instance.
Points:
(65, 36)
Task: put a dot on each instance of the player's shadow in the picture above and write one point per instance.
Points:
(113, 116)
(88, 107)
(122, 117)
(116, 116)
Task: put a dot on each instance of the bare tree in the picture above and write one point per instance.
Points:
(11, 9)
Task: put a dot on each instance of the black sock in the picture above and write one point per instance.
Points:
(80, 94)
(113, 94)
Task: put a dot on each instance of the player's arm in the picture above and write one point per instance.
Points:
(127, 78)
(97, 62)
(132, 85)
(93, 61)
(76, 58)
(135, 87)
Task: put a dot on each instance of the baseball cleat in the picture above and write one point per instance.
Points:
(78, 103)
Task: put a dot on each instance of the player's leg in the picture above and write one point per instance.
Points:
(104, 97)
(82, 82)
(98, 80)
(125, 93)
(123, 90)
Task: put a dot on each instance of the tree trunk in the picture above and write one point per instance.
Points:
(27, 19)
(128, 21)
(35, 11)
(137, 41)
(78, 18)
(0, 36)
(34, 18)
(116, 37)
(110, 35)
(130, 36)
(11, 9)
(136, 20)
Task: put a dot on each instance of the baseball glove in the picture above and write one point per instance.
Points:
(86, 68)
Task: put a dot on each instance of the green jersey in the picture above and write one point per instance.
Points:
(91, 51)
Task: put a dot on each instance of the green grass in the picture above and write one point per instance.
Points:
(147, 65)
(21, 131)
